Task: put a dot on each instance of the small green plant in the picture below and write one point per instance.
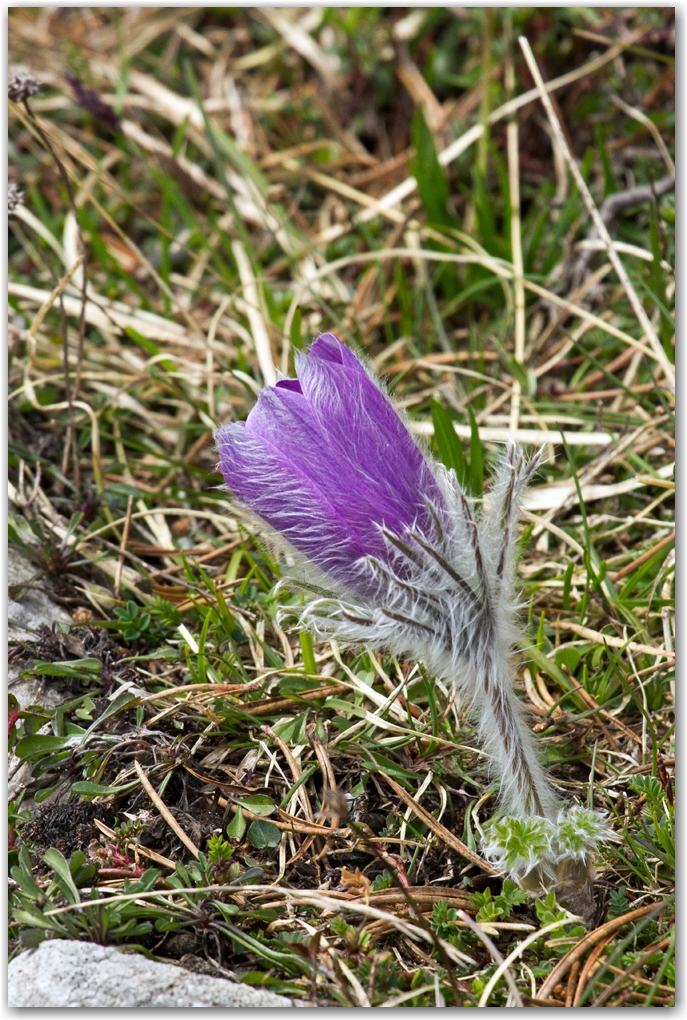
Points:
(355, 940)
(166, 616)
(218, 849)
(656, 820)
(500, 906)
(32, 900)
(133, 623)
(129, 831)
(444, 923)
(383, 881)
(549, 911)
(618, 903)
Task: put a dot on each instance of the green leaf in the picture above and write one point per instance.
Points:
(35, 919)
(124, 700)
(489, 912)
(448, 444)
(179, 136)
(54, 859)
(308, 652)
(259, 804)
(381, 764)
(88, 789)
(227, 910)
(39, 744)
(525, 376)
(297, 683)
(23, 875)
(73, 668)
(550, 668)
(32, 937)
(292, 731)
(569, 657)
(74, 522)
(427, 171)
(304, 777)
(243, 163)
(263, 834)
(150, 348)
(237, 826)
(296, 338)
(668, 213)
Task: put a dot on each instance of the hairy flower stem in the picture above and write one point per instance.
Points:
(393, 553)
(524, 787)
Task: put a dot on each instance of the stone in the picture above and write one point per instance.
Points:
(69, 973)
(25, 615)
(33, 608)
(35, 690)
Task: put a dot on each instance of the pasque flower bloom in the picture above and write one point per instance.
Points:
(391, 550)
(326, 461)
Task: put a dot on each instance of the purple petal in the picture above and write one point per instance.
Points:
(362, 426)
(328, 348)
(326, 461)
(289, 384)
(276, 489)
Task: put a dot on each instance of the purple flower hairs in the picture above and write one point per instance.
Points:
(392, 554)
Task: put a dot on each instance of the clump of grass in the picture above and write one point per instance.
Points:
(307, 817)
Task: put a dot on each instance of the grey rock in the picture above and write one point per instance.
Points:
(35, 690)
(66, 973)
(24, 617)
(34, 608)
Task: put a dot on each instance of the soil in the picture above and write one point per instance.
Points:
(67, 827)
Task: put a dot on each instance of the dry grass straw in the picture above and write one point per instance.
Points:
(637, 305)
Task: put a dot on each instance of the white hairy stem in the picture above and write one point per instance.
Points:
(448, 597)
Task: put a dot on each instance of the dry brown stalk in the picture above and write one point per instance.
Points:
(440, 830)
(590, 966)
(605, 932)
(643, 558)
(321, 755)
(289, 823)
(164, 810)
(613, 642)
(275, 705)
(639, 962)
(572, 980)
(421, 894)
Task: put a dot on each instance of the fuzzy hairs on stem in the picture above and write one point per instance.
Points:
(446, 594)
(392, 553)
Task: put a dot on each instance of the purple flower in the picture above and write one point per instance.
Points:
(327, 462)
